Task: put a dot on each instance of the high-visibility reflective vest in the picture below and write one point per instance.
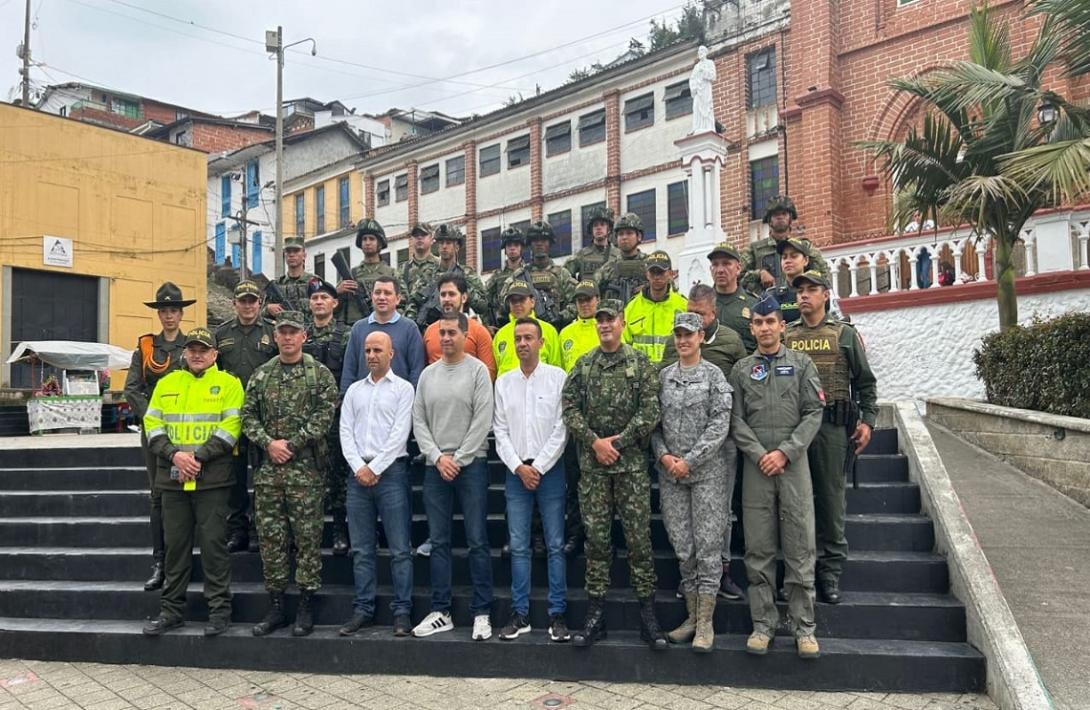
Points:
(648, 324)
(577, 339)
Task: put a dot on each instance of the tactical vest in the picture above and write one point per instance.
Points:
(629, 276)
(592, 259)
(310, 375)
(822, 344)
(329, 352)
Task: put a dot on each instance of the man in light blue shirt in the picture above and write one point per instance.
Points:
(408, 347)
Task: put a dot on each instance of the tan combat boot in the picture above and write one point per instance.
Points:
(757, 644)
(685, 632)
(808, 647)
(705, 631)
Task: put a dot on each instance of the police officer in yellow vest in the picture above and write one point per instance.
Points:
(193, 425)
(649, 316)
(851, 396)
(520, 303)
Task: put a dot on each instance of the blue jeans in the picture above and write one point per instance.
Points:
(391, 499)
(471, 485)
(551, 495)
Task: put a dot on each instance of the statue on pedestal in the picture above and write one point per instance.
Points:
(700, 87)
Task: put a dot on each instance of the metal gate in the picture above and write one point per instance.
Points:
(46, 305)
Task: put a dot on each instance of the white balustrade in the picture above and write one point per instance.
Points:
(1083, 238)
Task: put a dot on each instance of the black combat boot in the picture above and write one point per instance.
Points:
(650, 633)
(594, 629)
(340, 533)
(275, 619)
(304, 620)
(155, 581)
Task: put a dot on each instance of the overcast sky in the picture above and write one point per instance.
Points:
(414, 54)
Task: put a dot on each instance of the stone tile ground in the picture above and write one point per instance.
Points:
(45, 685)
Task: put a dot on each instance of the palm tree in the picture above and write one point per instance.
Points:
(994, 146)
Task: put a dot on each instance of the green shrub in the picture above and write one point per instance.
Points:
(1044, 366)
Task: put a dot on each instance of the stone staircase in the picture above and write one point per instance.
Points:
(74, 552)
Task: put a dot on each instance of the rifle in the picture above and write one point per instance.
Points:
(631, 273)
(363, 300)
(429, 310)
(545, 306)
(273, 294)
(851, 420)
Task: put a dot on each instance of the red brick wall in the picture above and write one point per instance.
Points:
(369, 196)
(414, 195)
(470, 227)
(537, 202)
(613, 150)
(214, 139)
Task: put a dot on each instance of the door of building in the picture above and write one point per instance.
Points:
(46, 305)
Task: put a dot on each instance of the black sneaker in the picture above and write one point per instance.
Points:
(558, 629)
(518, 626)
(403, 625)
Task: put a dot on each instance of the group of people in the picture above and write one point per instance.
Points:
(595, 378)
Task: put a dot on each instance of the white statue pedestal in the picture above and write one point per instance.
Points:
(703, 156)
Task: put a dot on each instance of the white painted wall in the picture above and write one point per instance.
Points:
(394, 217)
(927, 351)
(655, 144)
(447, 203)
(508, 186)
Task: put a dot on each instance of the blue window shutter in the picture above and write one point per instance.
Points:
(252, 179)
(234, 255)
(225, 196)
(221, 243)
(255, 253)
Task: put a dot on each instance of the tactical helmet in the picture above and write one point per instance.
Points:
(599, 214)
(512, 235)
(372, 227)
(779, 203)
(629, 220)
(540, 230)
(449, 233)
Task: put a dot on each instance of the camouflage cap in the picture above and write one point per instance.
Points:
(517, 288)
(725, 249)
(811, 276)
(767, 305)
(780, 203)
(202, 336)
(449, 233)
(802, 246)
(540, 230)
(691, 322)
(512, 235)
(293, 243)
(372, 227)
(420, 228)
(610, 307)
(586, 287)
(247, 288)
(316, 285)
(629, 220)
(658, 260)
(290, 319)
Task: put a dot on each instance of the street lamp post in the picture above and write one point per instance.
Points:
(274, 44)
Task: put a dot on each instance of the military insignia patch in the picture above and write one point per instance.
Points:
(745, 311)
(759, 371)
(785, 370)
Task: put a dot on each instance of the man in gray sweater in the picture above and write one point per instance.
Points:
(452, 414)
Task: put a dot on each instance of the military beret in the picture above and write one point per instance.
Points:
(202, 336)
(767, 305)
(799, 245)
(517, 288)
(290, 319)
(316, 284)
(247, 288)
(657, 260)
(724, 249)
(586, 287)
(293, 243)
(811, 276)
(611, 307)
(691, 322)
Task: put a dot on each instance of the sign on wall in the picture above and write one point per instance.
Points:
(56, 251)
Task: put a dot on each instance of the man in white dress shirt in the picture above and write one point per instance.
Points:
(530, 438)
(376, 418)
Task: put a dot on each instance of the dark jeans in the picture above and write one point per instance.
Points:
(390, 498)
(238, 521)
(200, 514)
(550, 498)
(471, 487)
(151, 462)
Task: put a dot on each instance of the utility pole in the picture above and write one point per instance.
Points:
(26, 57)
(274, 44)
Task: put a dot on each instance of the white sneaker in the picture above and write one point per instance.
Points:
(434, 623)
(482, 627)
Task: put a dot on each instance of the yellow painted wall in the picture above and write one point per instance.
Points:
(134, 208)
(332, 206)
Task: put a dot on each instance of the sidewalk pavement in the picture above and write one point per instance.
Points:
(42, 684)
(1037, 542)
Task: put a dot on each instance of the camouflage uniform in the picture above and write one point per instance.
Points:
(763, 255)
(424, 293)
(586, 262)
(327, 344)
(497, 283)
(412, 271)
(614, 394)
(623, 277)
(695, 510)
(282, 403)
(294, 290)
(352, 307)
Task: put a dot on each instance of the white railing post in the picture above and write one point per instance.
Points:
(1029, 238)
(913, 285)
(935, 251)
(853, 268)
(873, 261)
(1084, 237)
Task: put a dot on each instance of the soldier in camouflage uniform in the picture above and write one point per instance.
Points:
(611, 406)
(423, 293)
(851, 409)
(293, 283)
(289, 408)
(155, 357)
(327, 340)
(354, 294)
(760, 262)
(421, 259)
(623, 277)
(693, 461)
(514, 243)
(554, 285)
(586, 262)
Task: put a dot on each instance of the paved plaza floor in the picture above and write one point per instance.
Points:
(41, 684)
